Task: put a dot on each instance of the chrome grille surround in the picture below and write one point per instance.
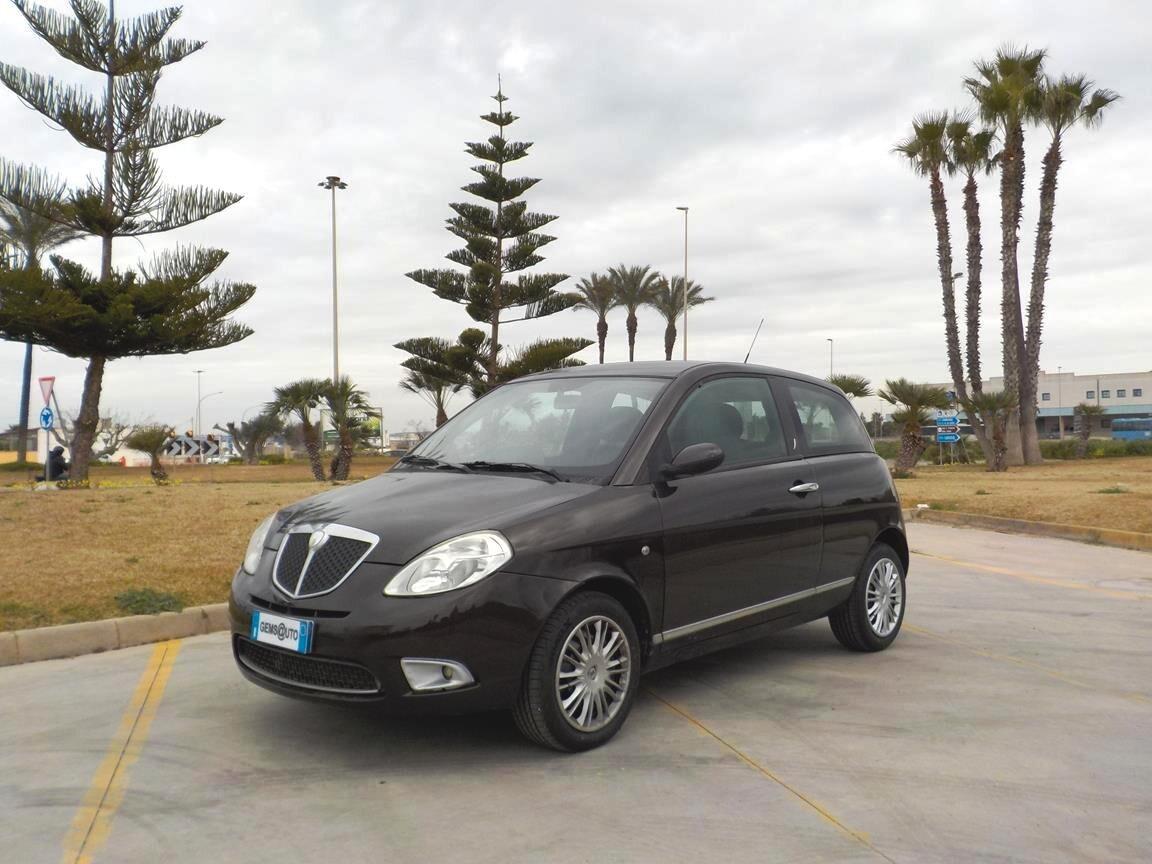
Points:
(327, 546)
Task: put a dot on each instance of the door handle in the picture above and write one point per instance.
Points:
(804, 488)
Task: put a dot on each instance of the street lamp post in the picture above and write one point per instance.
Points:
(200, 402)
(684, 298)
(831, 347)
(333, 183)
(196, 419)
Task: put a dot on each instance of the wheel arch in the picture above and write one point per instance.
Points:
(628, 596)
(895, 538)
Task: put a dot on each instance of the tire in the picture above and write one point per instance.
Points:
(558, 666)
(850, 621)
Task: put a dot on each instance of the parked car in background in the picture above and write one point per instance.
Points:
(571, 530)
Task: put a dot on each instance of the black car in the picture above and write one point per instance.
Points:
(569, 531)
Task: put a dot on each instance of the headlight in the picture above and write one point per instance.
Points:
(256, 545)
(453, 564)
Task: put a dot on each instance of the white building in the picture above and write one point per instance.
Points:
(1120, 394)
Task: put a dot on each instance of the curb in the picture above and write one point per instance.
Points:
(1080, 533)
(92, 637)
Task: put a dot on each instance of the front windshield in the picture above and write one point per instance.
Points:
(577, 428)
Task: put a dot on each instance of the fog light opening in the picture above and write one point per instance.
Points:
(429, 675)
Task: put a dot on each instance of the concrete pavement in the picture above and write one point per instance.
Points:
(1012, 721)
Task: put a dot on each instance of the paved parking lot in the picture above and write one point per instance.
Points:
(1012, 721)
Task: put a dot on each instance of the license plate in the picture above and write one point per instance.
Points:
(288, 633)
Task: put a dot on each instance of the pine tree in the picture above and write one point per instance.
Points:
(499, 241)
(166, 309)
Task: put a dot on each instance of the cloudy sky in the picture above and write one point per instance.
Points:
(773, 121)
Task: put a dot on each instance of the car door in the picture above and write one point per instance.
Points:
(856, 494)
(741, 542)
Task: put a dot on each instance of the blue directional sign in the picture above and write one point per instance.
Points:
(46, 418)
(947, 437)
(952, 420)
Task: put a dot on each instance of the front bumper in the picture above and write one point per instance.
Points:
(360, 636)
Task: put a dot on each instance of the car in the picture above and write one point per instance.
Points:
(571, 530)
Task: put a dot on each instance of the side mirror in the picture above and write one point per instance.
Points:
(693, 459)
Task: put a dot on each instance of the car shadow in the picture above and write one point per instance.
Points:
(353, 736)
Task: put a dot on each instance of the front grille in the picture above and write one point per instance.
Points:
(291, 561)
(314, 673)
(331, 563)
(302, 571)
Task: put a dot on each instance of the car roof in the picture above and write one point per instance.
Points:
(672, 369)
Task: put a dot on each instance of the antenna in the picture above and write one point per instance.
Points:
(754, 335)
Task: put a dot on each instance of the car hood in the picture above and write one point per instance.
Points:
(412, 511)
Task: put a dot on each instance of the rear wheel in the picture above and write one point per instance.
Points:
(582, 675)
(870, 619)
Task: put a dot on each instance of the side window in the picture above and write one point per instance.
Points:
(827, 422)
(737, 414)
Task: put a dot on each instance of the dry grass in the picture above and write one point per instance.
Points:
(1101, 493)
(105, 476)
(64, 556)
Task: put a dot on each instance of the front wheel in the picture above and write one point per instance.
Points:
(870, 619)
(582, 675)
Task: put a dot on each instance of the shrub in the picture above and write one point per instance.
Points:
(1098, 448)
(273, 459)
(17, 467)
(146, 601)
(887, 449)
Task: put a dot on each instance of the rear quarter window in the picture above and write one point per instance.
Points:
(827, 422)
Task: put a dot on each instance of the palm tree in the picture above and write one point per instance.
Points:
(971, 151)
(347, 404)
(929, 155)
(1065, 102)
(151, 439)
(634, 288)
(668, 299)
(916, 401)
(996, 411)
(435, 391)
(32, 235)
(300, 399)
(1008, 90)
(1084, 414)
(853, 386)
(597, 294)
(251, 435)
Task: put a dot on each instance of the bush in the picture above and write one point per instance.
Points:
(1098, 448)
(273, 459)
(887, 449)
(17, 467)
(146, 601)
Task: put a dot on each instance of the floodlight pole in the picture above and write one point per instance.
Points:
(333, 183)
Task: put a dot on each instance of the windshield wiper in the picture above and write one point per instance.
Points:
(523, 467)
(434, 463)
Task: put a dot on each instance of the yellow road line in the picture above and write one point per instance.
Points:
(1043, 580)
(1008, 658)
(752, 763)
(93, 820)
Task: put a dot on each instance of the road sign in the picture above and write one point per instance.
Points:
(46, 418)
(947, 430)
(46, 387)
(187, 445)
(947, 437)
(948, 420)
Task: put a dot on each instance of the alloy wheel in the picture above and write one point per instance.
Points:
(592, 673)
(884, 597)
